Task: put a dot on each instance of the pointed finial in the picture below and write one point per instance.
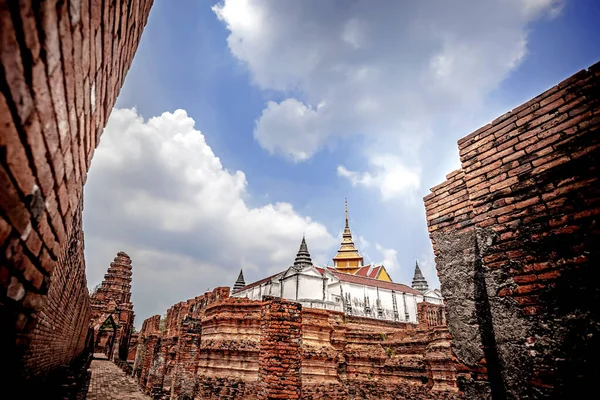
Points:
(346, 203)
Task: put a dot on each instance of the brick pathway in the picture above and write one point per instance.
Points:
(109, 382)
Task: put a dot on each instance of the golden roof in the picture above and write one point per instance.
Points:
(347, 251)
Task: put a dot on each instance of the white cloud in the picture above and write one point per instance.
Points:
(157, 191)
(390, 258)
(291, 128)
(386, 71)
(390, 177)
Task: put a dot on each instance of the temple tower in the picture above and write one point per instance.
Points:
(112, 310)
(303, 257)
(240, 283)
(347, 259)
(419, 282)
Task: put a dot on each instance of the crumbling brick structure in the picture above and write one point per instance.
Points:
(112, 310)
(62, 65)
(132, 350)
(279, 356)
(516, 237)
(216, 347)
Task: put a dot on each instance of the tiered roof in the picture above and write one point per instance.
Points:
(303, 257)
(419, 282)
(347, 250)
(116, 285)
(240, 283)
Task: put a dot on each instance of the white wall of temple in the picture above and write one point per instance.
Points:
(323, 305)
(351, 298)
(311, 287)
(373, 302)
(303, 286)
(258, 291)
(432, 299)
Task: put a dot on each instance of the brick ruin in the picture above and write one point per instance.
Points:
(514, 231)
(112, 310)
(62, 64)
(516, 240)
(217, 347)
(516, 237)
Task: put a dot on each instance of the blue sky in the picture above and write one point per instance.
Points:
(312, 102)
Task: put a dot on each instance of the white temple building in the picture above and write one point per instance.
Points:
(349, 286)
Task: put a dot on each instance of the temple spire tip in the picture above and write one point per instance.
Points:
(346, 205)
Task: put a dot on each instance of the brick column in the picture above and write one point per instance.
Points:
(186, 364)
(156, 372)
(440, 362)
(280, 357)
(152, 343)
(140, 353)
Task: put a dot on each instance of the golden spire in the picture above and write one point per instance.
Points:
(347, 257)
(346, 202)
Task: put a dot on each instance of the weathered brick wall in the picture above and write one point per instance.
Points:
(229, 350)
(112, 300)
(185, 381)
(515, 232)
(363, 358)
(61, 321)
(62, 66)
(157, 363)
(132, 351)
(244, 349)
(193, 308)
(151, 345)
(150, 327)
(280, 359)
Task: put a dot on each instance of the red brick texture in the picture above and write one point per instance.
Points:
(61, 325)
(280, 359)
(62, 66)
(515, 232)
(234, 348)
(111, 302)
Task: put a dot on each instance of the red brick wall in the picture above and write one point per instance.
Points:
(192, 308)
(184, 383)
(61, 325)
(364, 358)
(515, 232)
(131, 352)
(280, 359)
(228, 357)
(244, 349)
(62, 66)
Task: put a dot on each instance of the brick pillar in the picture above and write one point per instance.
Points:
(140, 354)
(441, 366)
(280, 360)
(186, 364)
(152, 343)
(156, 372)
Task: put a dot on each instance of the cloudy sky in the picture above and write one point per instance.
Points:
(243, 124)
